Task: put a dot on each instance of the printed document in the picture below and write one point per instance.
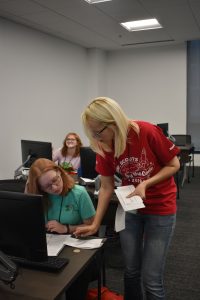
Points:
(128, 204)
(56, 242)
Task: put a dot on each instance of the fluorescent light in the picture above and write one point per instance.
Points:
(141, 25)
(96, 1)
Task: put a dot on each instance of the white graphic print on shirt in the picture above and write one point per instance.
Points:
(135, 169)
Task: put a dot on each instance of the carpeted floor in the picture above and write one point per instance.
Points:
(182, 276)
(182, 272)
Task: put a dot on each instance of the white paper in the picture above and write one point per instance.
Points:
(119, 218)
(83, 244)
(55, 243)
(87, 180)
(128, 204)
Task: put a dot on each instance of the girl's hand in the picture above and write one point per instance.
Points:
(55, 226)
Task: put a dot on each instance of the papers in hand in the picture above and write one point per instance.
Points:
(56, 242)
(128, 204)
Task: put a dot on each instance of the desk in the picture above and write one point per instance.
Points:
(189, 147)
(33, 284)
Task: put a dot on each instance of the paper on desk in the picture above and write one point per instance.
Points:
(55, 243)
(83, 244)
(128, 204)
(87, 180)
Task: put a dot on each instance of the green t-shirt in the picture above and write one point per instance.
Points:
(72, 208)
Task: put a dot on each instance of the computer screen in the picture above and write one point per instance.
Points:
(88, 163)
(34, 150)
(22, 226)
(165, 128)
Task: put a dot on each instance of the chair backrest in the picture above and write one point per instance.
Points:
(185, 157)
(182, 139)
(12, 185)
(88, 162)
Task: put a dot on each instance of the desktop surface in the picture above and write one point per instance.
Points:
(32, 284)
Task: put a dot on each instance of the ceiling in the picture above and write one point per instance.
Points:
(97, 25)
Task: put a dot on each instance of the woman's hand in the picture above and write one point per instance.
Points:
(167, 171)
(85, 230)
(140, 190)
(55, 226)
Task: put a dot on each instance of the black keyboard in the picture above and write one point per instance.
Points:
(52, 264)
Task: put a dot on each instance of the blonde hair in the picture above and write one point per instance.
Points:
(37, 169)
(108, 112)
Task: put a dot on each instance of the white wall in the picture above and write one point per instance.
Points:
(150, 83)
(43, 87)
(46, 83)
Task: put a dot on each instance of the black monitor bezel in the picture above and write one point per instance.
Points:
(22, 225)
(35, 150)
(164, 127)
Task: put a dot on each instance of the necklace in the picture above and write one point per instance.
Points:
(68, 161)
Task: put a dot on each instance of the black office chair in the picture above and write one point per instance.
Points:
(88, 163)
(185, 169)
(185, 165)
(185, 140)
(177, 181)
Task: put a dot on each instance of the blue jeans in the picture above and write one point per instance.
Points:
(145, 242)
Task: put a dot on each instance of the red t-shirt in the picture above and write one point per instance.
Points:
(143, 157)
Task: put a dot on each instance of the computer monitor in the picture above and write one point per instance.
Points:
(88, 163)
(22, 226)
(165, 128)
(34, 150)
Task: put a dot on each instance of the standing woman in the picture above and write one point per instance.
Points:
(144, 157)
(68, 157)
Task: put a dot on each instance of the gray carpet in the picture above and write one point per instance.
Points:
(182, 272)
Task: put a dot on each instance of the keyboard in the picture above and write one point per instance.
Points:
(52, 264)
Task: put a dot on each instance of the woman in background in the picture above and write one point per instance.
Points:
(68, 157)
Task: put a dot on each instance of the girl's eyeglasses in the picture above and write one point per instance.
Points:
(55, 181)
(98, 133)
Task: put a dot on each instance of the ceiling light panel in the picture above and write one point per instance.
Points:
(96, 1)
(142, 25)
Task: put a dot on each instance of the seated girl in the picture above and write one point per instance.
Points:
(66, 205)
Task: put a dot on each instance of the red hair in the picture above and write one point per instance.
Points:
(64, 149)
(41, 166)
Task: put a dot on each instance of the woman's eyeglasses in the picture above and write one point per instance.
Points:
(70, 140)
(97, 134)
